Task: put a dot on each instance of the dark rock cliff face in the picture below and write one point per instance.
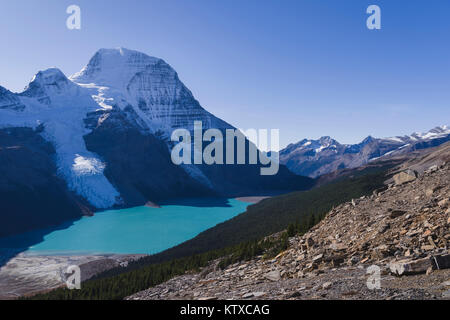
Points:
(246, 179)
(31, 194)
(139, 165)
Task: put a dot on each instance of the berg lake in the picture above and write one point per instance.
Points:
(138, 230)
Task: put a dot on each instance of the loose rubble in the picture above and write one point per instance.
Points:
(402, 229)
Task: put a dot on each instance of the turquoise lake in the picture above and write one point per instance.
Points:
(139, 230)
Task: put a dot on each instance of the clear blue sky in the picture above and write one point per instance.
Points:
(309, 68)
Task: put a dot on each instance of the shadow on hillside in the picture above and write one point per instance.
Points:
(11, 246)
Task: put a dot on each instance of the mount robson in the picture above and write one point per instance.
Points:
(101, 139)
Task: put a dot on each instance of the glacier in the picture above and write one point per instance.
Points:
(59, 106)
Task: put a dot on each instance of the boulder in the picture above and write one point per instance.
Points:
(317, 258)
(408, 267)
(273, 275)
(258, 294)
(327, 285)
(404, 177)
(443, 203)
(442, 261)
(396, 213)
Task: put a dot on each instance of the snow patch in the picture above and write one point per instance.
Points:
(87, 166)
(396, 139)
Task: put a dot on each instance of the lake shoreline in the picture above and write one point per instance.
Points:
(252, 199)
(29, 268)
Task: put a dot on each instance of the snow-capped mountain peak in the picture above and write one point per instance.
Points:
(438, 131)
(127, 78)
(434, 133)
(367, 140)
(9, 101)
(49, 77)
(314, 146)
(50, 84)
(114, 67)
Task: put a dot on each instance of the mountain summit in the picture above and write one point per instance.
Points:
(126, 78)
(114, 67)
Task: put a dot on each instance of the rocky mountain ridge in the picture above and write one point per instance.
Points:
(314, 158)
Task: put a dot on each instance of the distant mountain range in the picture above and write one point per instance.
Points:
(101, 139)
(314, 158)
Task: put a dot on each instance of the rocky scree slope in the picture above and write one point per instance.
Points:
(403, 229)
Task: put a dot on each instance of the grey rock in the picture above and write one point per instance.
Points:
(327, 285)
(273, 275)
(396, 213)
(408, 267)
(404, 177)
